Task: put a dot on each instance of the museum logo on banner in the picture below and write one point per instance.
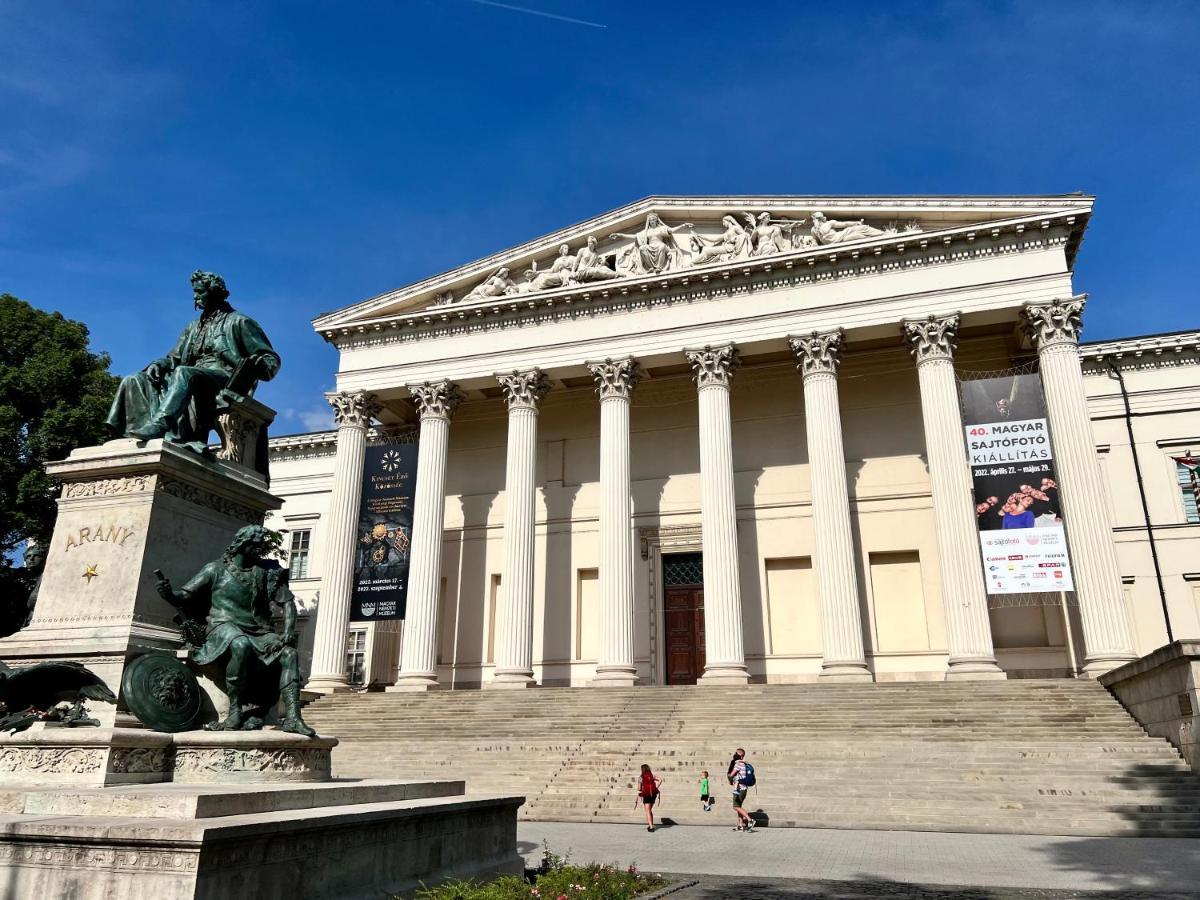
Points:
(384, 533)
(1017, 503)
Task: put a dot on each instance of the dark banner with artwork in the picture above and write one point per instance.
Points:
(1016, 489)
(384, 532)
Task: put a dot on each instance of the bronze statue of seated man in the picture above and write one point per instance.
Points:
(233, 597)
(175, 397)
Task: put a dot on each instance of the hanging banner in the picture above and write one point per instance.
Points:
(1016, 489)
(384, 533)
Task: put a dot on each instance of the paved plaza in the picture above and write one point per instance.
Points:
(799, 862)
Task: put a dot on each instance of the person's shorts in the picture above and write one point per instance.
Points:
(648, 799)
(739, 795)
(705, 798)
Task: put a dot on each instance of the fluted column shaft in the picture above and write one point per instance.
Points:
(615, 381)
(964, 595)
(837, 580)
(1107, 631)
(725, 660)
(514, 623)
(352, 413)
(418, 661)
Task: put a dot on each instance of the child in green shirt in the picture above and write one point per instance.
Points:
(706, 799)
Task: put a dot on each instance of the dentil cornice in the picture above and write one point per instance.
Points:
(616, 378)
(818, 353)
(932, 338)
(524, 390)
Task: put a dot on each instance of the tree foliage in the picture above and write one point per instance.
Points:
(54, 396)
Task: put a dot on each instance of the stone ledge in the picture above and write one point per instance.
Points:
(180, 801)
(1186, 649)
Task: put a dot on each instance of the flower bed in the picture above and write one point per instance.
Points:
(555, 879)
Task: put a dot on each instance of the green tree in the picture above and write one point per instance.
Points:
(54, 395)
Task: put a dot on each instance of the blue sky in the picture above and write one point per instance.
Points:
(319, 153)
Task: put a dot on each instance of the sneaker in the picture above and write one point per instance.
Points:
(750, 825)
(738, 828)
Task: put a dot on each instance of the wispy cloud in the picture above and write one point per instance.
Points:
(538, 12)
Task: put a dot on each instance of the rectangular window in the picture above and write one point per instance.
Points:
(794, 619)
(495, 602)
(587, 613)
(1187, 476)
(899, 602)
(298, 554)
(356, 655)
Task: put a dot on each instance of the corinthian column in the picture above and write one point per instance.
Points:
(837, 583)
(352, 412)
(725, 660)
(964, 595)
(523, 391)
(615, 381)
(418, 662)
(1054, 327)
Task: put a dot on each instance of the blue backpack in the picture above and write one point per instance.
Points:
(748, 779)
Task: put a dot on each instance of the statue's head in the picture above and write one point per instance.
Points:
(818, 216)
(252, 540)
(652, 220)
(764, 218)
(591, 242)
(35, 557)
(564, 249)
(209, 289)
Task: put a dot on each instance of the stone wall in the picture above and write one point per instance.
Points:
(1160, 691)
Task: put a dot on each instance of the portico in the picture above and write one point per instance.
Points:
(791, 414)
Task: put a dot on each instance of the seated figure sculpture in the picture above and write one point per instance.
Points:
(175, 397)
(226, 610)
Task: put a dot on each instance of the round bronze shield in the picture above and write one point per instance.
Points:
(162, 692)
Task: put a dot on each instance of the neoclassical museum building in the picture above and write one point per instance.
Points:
(722, 440)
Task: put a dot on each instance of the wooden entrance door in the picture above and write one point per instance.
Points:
(683, 608)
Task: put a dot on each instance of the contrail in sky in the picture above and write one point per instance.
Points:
(538, 12)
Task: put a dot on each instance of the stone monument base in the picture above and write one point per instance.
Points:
(337, 839)
(94, 757)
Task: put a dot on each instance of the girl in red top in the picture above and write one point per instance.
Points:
(648, 785)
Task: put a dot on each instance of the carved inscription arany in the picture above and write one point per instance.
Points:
(113, 534)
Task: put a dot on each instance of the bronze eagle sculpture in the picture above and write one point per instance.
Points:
(28, 695)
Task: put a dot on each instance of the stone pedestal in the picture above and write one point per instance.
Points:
(126, 508)
(343, 839)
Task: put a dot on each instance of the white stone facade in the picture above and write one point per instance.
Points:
(683, 366)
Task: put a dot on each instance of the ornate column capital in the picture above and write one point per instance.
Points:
(616, 377)
(524, 390)
(713, 365)
(932, 338)
(819, 353)
(1057, 322)
(436, 400)
(353, 409)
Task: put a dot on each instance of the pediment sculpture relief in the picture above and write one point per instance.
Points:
(660, 247)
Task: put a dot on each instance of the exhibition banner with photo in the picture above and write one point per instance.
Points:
(384, 532)
(1016, 489)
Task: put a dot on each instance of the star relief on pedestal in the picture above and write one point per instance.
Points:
(616, 378)
(1056, 322)
(524, 390)
(355, 408)
(820, 352)
(713, 365)
(934, 337)
(437, 399)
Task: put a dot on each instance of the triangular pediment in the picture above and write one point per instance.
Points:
(667, 235)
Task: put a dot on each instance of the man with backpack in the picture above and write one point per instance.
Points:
(741, 778)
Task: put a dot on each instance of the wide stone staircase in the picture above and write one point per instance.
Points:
(1042, 757)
